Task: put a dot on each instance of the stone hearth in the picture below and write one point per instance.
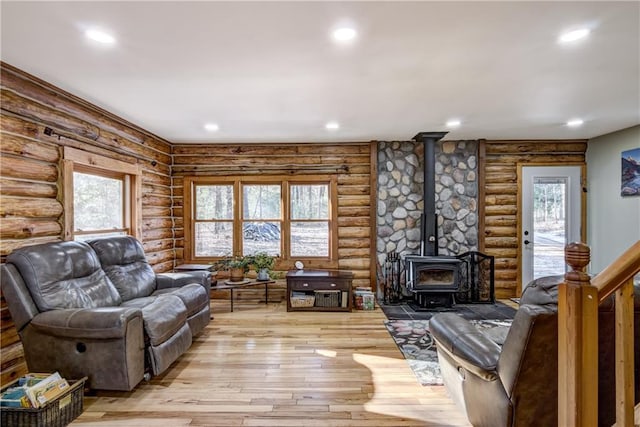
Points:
(400, 197)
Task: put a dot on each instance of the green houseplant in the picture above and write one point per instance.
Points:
(263, 263)
(237, 266)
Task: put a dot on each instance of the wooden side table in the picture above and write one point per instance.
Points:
(315, 282)
(194, 267)
(197, 267)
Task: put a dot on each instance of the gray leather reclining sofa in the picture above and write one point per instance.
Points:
(97, 309)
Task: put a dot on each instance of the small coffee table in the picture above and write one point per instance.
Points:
(241, 285)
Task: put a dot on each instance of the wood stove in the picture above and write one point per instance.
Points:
(427, 273)
(437, 281)
(433, 279)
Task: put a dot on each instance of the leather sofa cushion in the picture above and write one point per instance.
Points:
(163, 316)
(64, 275)
(193, 296)
(139, 302)
(176, 280)
(86, 323)
(123, 260)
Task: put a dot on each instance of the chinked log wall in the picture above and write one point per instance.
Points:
(30, 179)
(500, 198)
(350, 162)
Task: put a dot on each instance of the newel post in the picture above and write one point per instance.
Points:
(577, 342)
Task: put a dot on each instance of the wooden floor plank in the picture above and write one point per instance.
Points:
(262, 366)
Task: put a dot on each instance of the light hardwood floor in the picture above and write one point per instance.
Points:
(262, 366)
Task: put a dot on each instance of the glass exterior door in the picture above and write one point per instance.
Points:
(551, 215)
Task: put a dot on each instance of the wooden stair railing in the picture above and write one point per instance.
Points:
(578, 299)
(636, 416)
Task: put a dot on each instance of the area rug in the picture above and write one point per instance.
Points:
(419, 349)
(404, 311)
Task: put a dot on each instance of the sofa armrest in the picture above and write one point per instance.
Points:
(176, 280)
(87, 323)
(465, 344)
(15, 291)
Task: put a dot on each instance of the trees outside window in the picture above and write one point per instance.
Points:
(99, 206)
(309, 220)
(291, 219)
(101, 196)
(213, 220)
(549, 203)
(262, 219)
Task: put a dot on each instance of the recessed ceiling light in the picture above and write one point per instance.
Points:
(574, 35)
(575, 123)
(211, 127)
(332, 126)
(100, 36)
(344, 34)
(453, 123)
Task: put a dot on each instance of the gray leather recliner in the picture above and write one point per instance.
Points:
(97, 309)
(515, 383)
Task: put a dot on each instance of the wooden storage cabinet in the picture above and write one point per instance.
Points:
(320, 284)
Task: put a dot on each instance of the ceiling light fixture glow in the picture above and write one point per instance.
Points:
(575, 123)
(332, 126)
(453, 123)
(211, 127)
(574, 35)
(344, 34)
(100, 36)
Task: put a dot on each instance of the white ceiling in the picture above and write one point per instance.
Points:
(270, 72)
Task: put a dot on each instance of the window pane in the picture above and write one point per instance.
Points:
(261, 202)
(98, 202)
(214, 202)
(261, 237)
(310, 201)
(214, 239)
(310, 239)
(549, 226)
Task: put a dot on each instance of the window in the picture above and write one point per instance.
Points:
(292, 219)
(100, 196)
(98, 205)
(213, 220)
(261, 219)
(310, 223)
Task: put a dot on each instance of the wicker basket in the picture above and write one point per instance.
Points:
(299, 301)
(57, 413)
(328, 298)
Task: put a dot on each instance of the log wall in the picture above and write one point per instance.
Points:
(499, 204)
(30, 176)
(31, 195)
(351, 163)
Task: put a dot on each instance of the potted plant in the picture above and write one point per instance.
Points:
(237, 266)
(263, 263)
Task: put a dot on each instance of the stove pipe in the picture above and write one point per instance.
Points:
(429, 223)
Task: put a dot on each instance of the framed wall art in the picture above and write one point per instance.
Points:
(630, 178)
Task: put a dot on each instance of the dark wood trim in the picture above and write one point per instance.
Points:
(373, 197)
(481, 193)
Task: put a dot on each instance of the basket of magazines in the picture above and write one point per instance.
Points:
(41, 400)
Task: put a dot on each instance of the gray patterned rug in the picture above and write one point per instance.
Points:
(419, 349)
